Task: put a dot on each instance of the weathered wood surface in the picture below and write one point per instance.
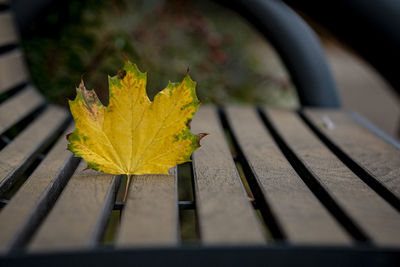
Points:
(150, 216)
(224, 212)
(369, 211)
(299, 213)
(20, 217)
(19, 106)
(372, 153)
(16, 157)
(12, 70)
(78, 219)
(8, 34)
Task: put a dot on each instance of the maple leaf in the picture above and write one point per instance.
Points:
(133, 135)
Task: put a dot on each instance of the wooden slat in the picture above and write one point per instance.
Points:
(19, 106)
(8, 34)
(224, 212)
(78, 218)
(369, 211)
(377, 157)
(299, 212)
(23, 213)
(12, 70)
(150, 216)
(21, 152)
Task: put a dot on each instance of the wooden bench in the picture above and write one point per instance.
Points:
(279, 187)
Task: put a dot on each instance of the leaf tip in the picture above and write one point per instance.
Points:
(189, 79)
(81, 83)
(133, 69)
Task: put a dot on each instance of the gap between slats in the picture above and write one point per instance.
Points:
(33, 155)
(189, 232)
(313, 184)
(19, 106)
(24, 213)
(7, 48)
(11, 133)
(12, 69)
(226, 215)
(12, 91)
(188, 227)
(4, 7)
(79, 217)
(271, 226)
(364, 175)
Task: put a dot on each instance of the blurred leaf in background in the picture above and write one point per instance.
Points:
(230, 61)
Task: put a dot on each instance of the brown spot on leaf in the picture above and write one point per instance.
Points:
(121, 74)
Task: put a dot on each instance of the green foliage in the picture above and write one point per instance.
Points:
(230, 61)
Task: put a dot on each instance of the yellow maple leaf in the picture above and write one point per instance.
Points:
(133, 135)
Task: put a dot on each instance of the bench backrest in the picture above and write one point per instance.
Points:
(18, 98)
(27, 123)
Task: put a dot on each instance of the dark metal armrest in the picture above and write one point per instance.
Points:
(296, 44)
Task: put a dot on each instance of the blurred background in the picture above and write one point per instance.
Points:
(229, 59)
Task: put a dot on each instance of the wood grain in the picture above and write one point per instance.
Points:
(374, 155)
(369, 211)
(12, 70)
(224, 212)
(150, 216)
(8, 34)
(16, 157)
(299, 212)
(19, 106)
(79, 217)
(20, 217)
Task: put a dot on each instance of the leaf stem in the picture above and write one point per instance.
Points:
(128, 180)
